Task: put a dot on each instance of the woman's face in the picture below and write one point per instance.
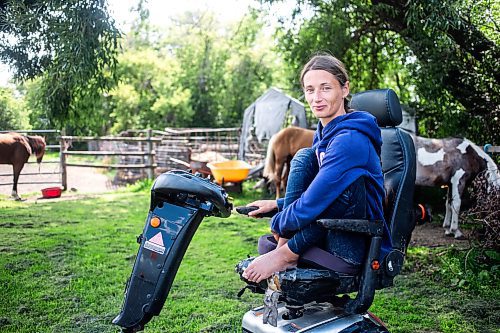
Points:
(324, 95)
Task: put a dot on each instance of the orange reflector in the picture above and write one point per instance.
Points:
(375, 265)
(422, 209)
(155, 222)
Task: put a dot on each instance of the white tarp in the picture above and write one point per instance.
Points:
(265, 117)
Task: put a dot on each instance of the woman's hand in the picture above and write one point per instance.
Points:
(265, 206)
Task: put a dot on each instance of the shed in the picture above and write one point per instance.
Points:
(264, 118)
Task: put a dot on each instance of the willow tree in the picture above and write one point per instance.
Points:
(70, 45)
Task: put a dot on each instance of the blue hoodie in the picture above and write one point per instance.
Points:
(347, 148)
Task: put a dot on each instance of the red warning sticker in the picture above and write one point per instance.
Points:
(157, 239)
(155, 244)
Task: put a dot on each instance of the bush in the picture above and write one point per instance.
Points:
(485, 214)
(141, 185)
(476, 268)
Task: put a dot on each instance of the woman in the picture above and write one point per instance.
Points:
(339, 177)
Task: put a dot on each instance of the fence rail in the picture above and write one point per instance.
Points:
(32, 131)
(113, 166)
(147, 156)
(109, 138)
(491, 149)
(138, 151)
(33, 182)
(108, 153)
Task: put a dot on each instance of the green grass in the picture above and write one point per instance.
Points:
(63, 266)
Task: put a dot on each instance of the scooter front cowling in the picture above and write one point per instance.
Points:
(316, 318)
(179, 202)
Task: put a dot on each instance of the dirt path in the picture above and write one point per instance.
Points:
(80, 180)
(432, 235)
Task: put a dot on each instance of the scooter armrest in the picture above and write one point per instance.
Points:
(368, 227)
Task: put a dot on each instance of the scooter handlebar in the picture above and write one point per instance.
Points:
(182, 182)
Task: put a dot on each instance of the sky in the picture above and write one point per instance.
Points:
(160, 10)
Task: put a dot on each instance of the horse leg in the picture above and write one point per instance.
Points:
(277, 184)
(458, 186)
(287, 172)
(447, 216)
(278, 174)
(17, 170)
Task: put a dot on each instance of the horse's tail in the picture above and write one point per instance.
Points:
(269, 165)
(492, 172)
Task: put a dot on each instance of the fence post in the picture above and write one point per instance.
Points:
(150, 163)
(62, 159)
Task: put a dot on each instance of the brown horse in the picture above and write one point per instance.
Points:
(280, 151)
(454, 163)
(16, 149)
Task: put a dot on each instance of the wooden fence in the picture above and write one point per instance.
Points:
(149, 151)
(144, 151)
(186, 144)
(491, 149)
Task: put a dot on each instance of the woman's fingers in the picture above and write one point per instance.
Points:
(264, 206)
(256, 212)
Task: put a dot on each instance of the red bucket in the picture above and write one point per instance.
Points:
(51, 192)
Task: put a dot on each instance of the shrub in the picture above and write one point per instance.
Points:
(485, 214)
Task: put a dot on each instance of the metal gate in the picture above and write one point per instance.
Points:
(50, 168)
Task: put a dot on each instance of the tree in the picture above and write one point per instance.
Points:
(347, 29)
(13, 115)
(70, 44)
(148, 94)
(453, 50)
(197, 73)
(251, 68)
(441, 56)
(224, 67)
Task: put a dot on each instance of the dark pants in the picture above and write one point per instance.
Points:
(351, 204)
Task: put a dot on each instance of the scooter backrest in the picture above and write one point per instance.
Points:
(383, 104)
(398, 162)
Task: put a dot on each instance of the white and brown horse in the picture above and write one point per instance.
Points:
(280, 151)
(15, 149)
(454, 163)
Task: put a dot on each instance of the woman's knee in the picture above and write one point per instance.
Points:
(303, 169)
(266, 244)
(305, 158)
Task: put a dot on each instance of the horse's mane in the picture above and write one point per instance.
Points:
(37, 143)
(492, 172)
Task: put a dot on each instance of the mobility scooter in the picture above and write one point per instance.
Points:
(303, 299)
